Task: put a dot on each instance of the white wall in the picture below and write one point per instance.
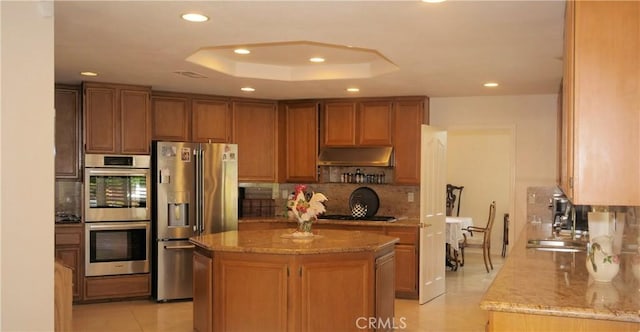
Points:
(483, 161)
(26, 166)
(533, 119)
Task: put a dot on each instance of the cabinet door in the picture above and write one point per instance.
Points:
(302, 142)
(406, 271)
(202, 292)
(67, 132)
(135, 121)
(566, 134)
(100, 119)
(211, 121)
(70, 256)
(375, 123)
(408, 117)
(255, 132)
(385, 280)
(244, 284)
(170, 118)
(606, 103)
(339, 124)
(338, 287)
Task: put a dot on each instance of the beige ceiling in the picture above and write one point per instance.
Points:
(440, 50)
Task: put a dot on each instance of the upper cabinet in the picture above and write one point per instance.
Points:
(375, 123)
(170, 117)
(68, 134)
(190, 118)
(301, 142)
(211, 120)
(600, 139)
(116, 118)
(255, 130)
(357, 123)
(410, 114)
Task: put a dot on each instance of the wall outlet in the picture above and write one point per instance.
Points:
(410, 197)
(285, 194)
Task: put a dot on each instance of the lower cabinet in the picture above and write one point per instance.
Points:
(510, 321)
(202, 292)
(406, 250)
(68, 249)
(269, 292)
(407, 260)
(121, 286)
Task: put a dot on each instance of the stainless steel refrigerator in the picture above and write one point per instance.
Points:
(194, 191)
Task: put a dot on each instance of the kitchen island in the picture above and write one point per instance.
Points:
(268, 280)
(406, 229)
(552, 291)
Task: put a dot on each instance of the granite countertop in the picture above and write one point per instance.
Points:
(558, 284)
(280, 241)
(411, 222)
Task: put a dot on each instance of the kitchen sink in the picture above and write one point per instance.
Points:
(566, 245)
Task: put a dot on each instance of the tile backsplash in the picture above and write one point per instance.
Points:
(394, 200)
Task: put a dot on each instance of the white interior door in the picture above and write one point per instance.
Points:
(433, 185)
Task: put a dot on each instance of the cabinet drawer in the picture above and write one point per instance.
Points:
(406, 236)
(68, 235)
(133, 285)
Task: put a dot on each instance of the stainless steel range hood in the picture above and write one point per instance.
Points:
(360, 156)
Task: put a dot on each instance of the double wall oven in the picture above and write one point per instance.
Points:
(117, 215)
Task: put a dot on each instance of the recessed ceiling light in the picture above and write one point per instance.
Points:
(241, 51)
(88, 73)
(434, 1)
(491, 84)
(317, 59)
(193, 17)
(353, 89)
(248, 89)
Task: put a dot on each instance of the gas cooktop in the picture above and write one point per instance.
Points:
(348, 217)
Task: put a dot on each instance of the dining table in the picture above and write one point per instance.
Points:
(454, 233)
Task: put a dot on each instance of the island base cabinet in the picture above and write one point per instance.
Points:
(509, 321)
(202, 295)
(273, 292)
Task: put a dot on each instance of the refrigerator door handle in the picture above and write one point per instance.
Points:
(199, 190)
(180, 247)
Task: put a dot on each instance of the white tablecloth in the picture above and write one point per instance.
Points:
(454, 228)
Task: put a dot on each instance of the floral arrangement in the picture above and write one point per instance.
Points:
(305, 207)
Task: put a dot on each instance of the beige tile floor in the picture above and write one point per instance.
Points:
(457, 310)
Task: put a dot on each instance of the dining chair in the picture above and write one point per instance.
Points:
(471, 242)
(454, 196)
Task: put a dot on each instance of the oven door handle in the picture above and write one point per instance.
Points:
(188, 246)
(119, 226)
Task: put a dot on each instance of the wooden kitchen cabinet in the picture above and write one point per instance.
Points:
(375, 123)
(202, 292)
(409, 116)
(255, 130)
(211, 120)
(406, 266)
(116, 118)
(357, 123)
(117, 287)
(68, 132)
(301, 142)
(170, 117)
(69, 249)
(601, 103)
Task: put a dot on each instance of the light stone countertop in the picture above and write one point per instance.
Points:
(280, 241)
(410, 222)
(558, 284)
